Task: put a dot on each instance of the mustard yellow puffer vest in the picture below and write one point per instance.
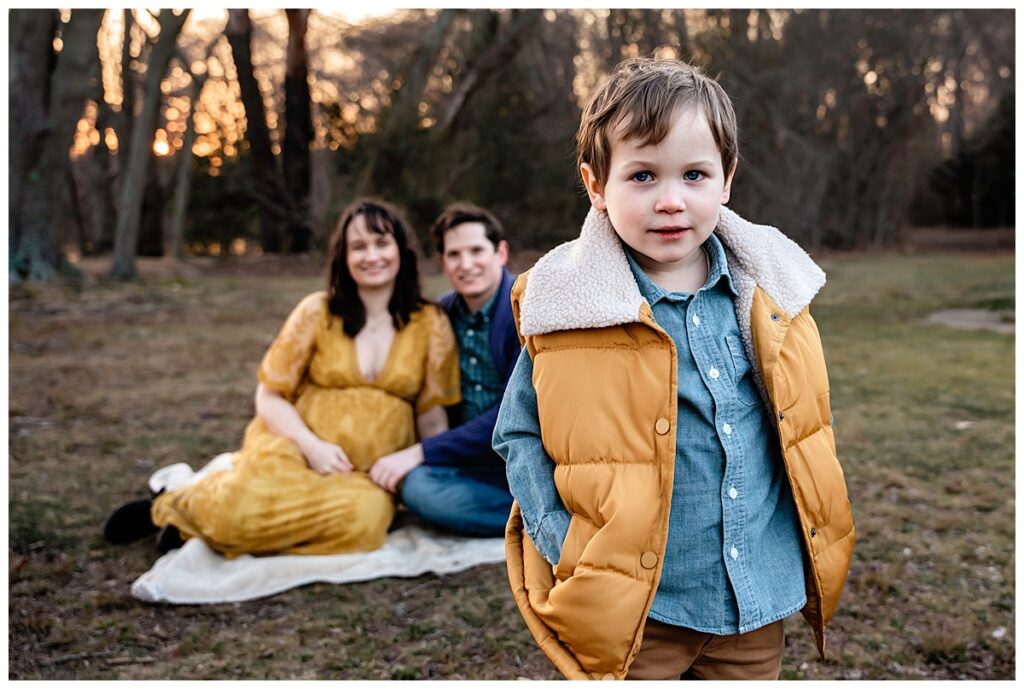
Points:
(605, 375)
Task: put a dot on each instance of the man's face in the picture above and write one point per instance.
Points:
(473, 265)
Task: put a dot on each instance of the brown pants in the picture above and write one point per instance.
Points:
(670, 652)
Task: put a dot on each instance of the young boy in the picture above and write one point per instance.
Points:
(667, 429)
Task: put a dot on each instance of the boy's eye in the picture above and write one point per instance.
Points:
(642, 176)
(693, 175)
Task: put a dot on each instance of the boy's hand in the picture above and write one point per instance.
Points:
(390, 469)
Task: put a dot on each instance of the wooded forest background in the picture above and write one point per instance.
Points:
(229, 132)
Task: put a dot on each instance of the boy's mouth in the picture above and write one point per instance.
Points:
(669, 232)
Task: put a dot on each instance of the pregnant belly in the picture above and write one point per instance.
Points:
(365, 422)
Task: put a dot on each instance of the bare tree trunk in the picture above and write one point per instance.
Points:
(403, 110)
(102, 184)
(123, 126)
(151, 216)
(43, 198)
(400, 117)
(298, 133)
(494, 56)
(270, 191)
(126, 117)
(76, 80)
(183, 173)
(683, 33)
(30, 64)
(183, 189)
(76, 217)
(964, 201)
(137, 169)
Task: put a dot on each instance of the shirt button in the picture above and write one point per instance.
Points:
(695, 319)
(733, 494)
(713, 373)
(661, 426)
(472, 360)
(471, 332)
(649, 560)
(734, 553)
(478, 387)
(727, 428)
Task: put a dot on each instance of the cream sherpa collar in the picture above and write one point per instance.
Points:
(587, 283)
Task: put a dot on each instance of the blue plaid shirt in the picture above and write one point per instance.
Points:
(482, 385)
(733, 561)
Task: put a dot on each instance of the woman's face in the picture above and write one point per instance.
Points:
(373, 259)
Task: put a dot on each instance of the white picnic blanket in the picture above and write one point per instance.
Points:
(195, 573)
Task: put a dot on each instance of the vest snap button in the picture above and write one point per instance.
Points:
(649, 560)
(814, 532)
(661, 426)
(781, 416)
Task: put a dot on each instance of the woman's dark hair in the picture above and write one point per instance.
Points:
(342, 294)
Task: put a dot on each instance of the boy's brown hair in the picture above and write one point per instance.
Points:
(642, 96)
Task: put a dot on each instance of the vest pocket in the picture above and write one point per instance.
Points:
(742, 375)
(580, 531)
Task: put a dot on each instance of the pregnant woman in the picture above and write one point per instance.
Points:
(358, 371)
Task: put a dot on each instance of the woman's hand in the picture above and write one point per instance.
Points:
(283, 418)
(326, 458)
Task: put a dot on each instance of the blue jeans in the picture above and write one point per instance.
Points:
(474, 502)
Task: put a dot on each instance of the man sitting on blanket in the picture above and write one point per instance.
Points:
(455, 479)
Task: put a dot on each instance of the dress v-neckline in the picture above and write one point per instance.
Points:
(387, 359)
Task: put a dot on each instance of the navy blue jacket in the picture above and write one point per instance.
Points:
(469, 444)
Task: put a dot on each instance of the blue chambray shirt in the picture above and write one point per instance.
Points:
(480, 381)
(733, 561)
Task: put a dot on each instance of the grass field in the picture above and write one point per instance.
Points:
(109, 383)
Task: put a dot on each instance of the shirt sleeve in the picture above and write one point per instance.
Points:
(287, 359)
(441, 378)
(530, 471)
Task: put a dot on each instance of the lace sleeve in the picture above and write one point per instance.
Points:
(284, 365)
(441, 378)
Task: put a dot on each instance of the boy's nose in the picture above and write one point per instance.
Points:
(670, 200)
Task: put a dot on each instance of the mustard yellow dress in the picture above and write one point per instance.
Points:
(271, 501)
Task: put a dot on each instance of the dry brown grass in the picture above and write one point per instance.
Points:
(111, 382)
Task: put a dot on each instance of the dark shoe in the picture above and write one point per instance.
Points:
(129, 522)
(169, 539)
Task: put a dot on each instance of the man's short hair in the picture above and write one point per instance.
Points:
(462, 212)
(642, 97)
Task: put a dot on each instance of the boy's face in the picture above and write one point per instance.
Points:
(663, 199)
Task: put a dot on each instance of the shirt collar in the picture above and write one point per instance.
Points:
(485, 313)
(718, 269)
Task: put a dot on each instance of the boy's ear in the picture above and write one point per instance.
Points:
(727, 189)
(594, 188)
